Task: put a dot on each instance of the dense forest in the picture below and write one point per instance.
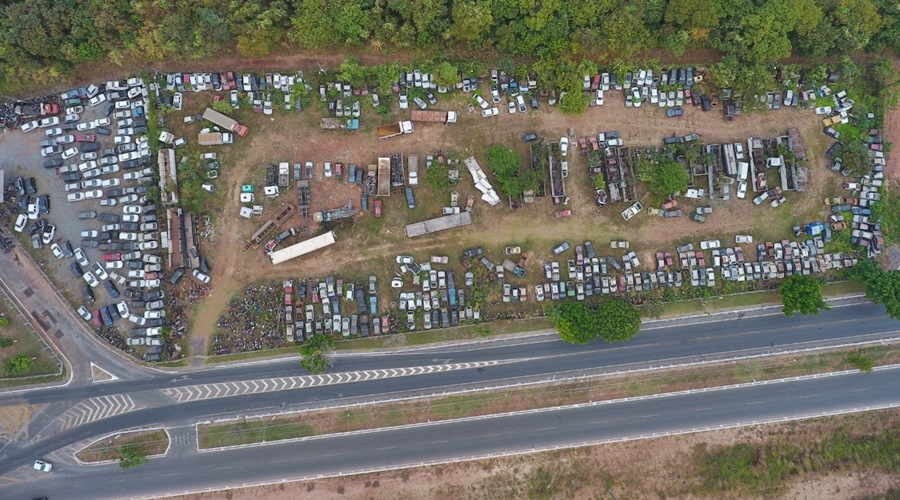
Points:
(48, 37)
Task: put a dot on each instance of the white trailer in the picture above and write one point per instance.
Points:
(304, 247)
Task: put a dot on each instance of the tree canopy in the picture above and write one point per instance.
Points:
(314, 353)
(579, 323)
(883, 287)
(504, 162)
(50, 36)
(802, 294)
(670, 178)
(855, 157)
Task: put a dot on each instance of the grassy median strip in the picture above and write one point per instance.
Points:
(423, 410)
(149, 443)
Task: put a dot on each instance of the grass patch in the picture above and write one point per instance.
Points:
(258, 431)
(150, 442)
(761, 469)
(490, 402)
(25, 340)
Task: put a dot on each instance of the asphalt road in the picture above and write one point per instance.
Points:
(541, 359)
(664, 344)
(453, 440)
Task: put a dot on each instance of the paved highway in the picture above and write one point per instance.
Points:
(175, 400)
(453, 440)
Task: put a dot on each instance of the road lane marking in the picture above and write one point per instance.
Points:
(704, 409)
(651, 416)
(97, 408)
(230, 389)
(756, 403)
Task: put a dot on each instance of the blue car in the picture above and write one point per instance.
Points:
(674, 112)
(861, 211)
(106, 316)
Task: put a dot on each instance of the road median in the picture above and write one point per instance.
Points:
(421, 410)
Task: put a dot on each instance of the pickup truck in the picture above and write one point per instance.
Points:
(395, 129)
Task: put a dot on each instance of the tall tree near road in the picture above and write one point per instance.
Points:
(612, 320)
(802, 294)
(314, 353)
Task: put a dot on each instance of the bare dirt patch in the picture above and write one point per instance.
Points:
(656, 468)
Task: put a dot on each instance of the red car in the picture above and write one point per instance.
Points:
(111, 256)
(562, 214)
(377, 208)
(95, 318)
(85, 138)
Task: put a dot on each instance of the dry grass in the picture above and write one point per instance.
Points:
(151, 442)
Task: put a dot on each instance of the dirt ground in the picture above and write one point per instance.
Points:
(656, 468)
(297, 138)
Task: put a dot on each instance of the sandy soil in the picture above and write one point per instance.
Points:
(658, 468)
(297, 138)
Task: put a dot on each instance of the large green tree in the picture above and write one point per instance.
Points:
(579, 323)
(802, 294)
(504, 162)
(883, 287)
(670, 178)
(314, 353)
(855, 157)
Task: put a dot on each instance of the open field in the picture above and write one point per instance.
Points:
(491, 402)
(821, 458)
(369, 245)
(151, 443)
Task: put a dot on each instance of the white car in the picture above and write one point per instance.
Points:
(328, 171)
(71, 118)
(110, 182)
(75, 110)
(110, 169)
(131, 218)
(85, 126)
(128, 236)
(160, 313)
(201, 276)
(88, 156)
(710, 244)
(177, 100)
(57, 250)
(97, 99)
(101, 273)
(96, 193)
(53, 132)
(91, 279)
(742, 190)
(90, 233)
(90, 184)
(75, 196)
(85, 313)
(132, 176)
(81, 258)
(87, 165)
(743, 238)
(121, 115)
(122, 139)
(481, 102)
(42, 465)
(132, 209)
(564, 146)
(28, 127)
(122, 105)
(490, 112)
(823, 110)
(108, 202)
(69, 153)
(21, 220)
(404, 101)
(115, 264)
(50, 121)
(149, 245)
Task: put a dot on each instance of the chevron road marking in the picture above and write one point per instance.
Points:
(97, 408)
(231, 389)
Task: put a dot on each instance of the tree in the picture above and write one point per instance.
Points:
(855, 157)
(504, 162)
(446, 74)
(613, 321)
(4, 321)
(575, 321)
(801, 293)
(6, 342)
(670, 178)
(619, 320)
(352, 72)
(573, 103)
(881, 286)
(18, 364)
(314, 353)
(133, 454)
(471, 21)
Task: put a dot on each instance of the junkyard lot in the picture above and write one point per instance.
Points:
(20, 155)
(370, 246)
